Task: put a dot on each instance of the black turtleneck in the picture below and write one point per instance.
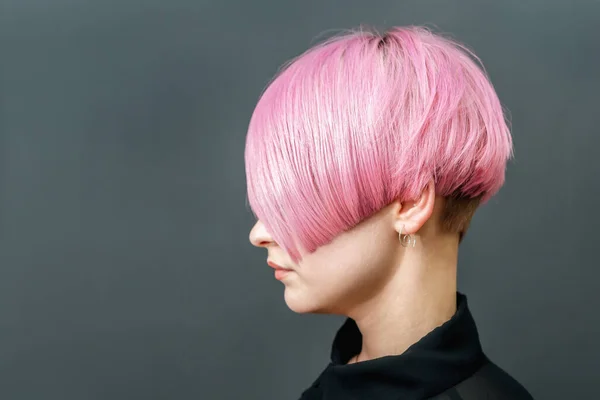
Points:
(446, 364)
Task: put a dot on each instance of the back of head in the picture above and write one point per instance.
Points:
(364, 119)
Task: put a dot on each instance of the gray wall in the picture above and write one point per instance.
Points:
(125, 270)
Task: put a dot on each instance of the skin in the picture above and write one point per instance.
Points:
(395, 294)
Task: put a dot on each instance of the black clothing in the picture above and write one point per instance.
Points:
(446, 364)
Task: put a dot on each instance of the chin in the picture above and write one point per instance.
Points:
(300, 303)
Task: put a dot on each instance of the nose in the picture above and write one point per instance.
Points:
(259, 236)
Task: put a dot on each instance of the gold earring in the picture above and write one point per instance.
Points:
(406, 240)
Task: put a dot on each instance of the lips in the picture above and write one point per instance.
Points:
(277, 266)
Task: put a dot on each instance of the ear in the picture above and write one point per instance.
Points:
(412, 215)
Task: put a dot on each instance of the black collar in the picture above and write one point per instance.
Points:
(441, 359)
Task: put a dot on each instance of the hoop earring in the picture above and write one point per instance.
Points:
(406, 240)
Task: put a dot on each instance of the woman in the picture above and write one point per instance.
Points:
(366, 158)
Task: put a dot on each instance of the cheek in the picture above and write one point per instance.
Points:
(333, 283)
(340, 274)
(318, 286)
(356, 273)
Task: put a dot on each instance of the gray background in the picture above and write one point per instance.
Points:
(125, 269)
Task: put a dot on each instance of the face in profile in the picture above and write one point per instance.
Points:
(340, 275)
(354, 124)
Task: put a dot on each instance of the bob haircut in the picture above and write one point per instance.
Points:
(364, 119)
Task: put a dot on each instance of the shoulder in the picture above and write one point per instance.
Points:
(491, 381)
(488, 382)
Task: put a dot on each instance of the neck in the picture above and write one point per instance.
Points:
(420, 297)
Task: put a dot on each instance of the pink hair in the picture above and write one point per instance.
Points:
(362, 120)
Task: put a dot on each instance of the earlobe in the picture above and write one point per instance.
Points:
(406, 240)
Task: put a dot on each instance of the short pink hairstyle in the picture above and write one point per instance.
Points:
(364, 119)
